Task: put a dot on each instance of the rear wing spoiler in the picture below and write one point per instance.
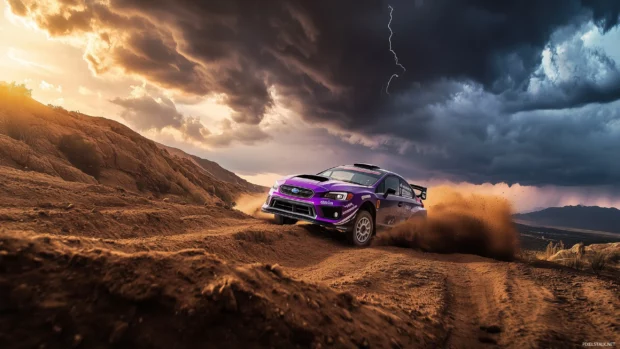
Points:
(421, 189)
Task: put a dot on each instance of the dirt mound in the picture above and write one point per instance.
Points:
(58, 295)
(80, 148)
(459, 223)
(43, 203)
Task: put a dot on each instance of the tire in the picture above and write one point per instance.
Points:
(281, 220)
(363, 229)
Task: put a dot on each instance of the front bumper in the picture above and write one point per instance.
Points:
(311, 210)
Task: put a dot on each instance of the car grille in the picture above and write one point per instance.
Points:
(302, 192)
(293, 207)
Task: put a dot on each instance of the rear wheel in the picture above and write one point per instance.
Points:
(284, 220)
(363, 229)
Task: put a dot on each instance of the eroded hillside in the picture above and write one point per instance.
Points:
(79, 148)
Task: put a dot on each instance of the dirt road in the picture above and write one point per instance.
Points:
(90, 266)
(450, 301)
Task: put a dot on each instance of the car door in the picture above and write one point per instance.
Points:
(387, 208)
(408, 204)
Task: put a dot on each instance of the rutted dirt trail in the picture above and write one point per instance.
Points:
(451, 301)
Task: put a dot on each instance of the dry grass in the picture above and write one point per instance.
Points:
(553, 249)
(575, 262)
(598, 261)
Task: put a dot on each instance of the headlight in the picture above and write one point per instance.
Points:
(339, 195)
(275, 185)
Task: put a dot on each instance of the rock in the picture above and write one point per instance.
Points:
(166, 200)
(69, 206)
(118, 332)
(276, 269)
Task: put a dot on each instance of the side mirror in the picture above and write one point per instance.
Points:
(390, 191)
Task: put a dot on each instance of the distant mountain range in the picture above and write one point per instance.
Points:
(576, 217)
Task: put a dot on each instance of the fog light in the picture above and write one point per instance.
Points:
(267, 201)
(335, 214)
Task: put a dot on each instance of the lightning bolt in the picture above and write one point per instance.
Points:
(393, 52)
(388, 84)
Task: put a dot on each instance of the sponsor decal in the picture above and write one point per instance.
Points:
(325, 202)
(365, 197)
(350, 204)
(347, 219)
(349, 210)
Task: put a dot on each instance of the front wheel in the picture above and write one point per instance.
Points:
(363, 229)
(281, 220)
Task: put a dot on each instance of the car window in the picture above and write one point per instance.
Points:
(353, 175)
(405, 190)
(380, 188)
(392, 182)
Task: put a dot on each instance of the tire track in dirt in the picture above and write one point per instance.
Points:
(488, 304)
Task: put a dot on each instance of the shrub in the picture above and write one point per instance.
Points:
(598, 260)
(15, 89)
(81, 154)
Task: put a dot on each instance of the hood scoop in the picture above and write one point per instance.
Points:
(313, 177)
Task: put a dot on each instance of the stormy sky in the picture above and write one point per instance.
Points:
(508, 92)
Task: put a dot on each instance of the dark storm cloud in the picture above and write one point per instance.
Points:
(473, 71)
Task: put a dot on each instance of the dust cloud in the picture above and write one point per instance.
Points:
(250, 204)
(459, 222)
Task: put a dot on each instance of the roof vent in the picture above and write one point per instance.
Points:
(367, 166)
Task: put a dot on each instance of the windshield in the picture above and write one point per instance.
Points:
(353, 175)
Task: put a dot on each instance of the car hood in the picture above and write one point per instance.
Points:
(320, 184)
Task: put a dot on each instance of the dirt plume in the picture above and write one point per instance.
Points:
(250, 204)
(459, 223)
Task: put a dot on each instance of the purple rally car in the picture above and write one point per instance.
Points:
(354, 198)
